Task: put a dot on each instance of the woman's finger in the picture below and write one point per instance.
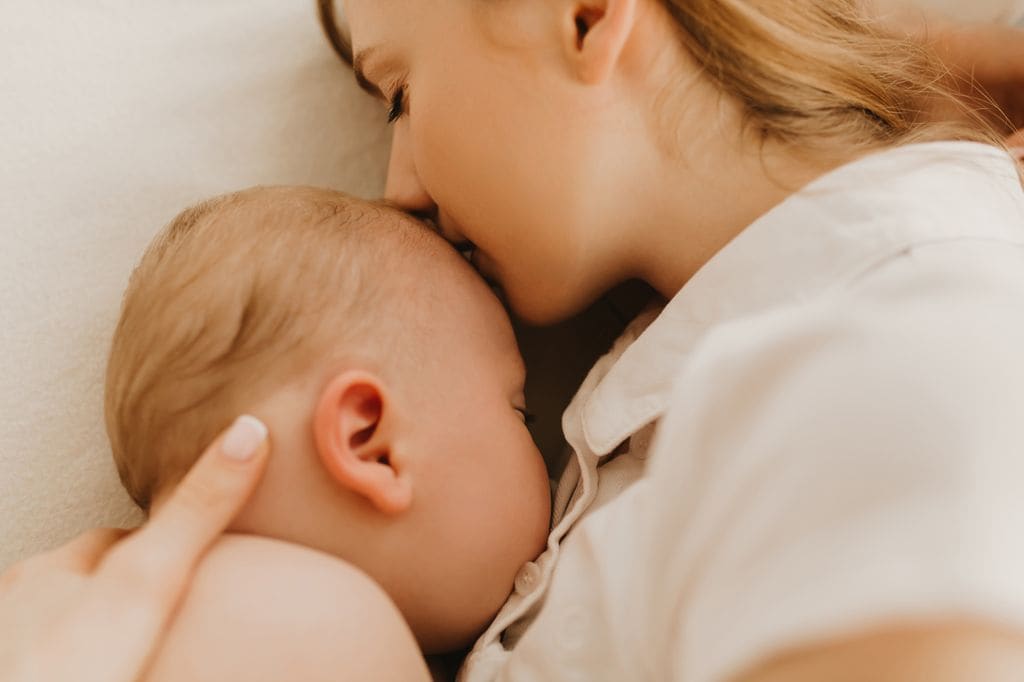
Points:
(158, 560)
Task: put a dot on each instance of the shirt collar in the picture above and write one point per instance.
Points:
(820, 237)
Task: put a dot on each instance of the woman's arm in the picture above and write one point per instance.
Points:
(986, 60)
(261, 609)
(962, 652)
(989, 60)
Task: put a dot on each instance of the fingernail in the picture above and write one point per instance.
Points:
(244, 438)
(1017, 152)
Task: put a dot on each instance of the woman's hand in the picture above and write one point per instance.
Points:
(986, 61)
(989, 60)
(96, 609)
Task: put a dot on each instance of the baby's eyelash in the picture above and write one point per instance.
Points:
(528, 418)
(397, 109)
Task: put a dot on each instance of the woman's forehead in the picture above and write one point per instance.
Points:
(377, 16)
(370, 22)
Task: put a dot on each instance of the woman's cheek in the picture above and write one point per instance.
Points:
(443, 159)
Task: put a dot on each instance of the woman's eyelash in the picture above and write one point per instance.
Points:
(397, 109)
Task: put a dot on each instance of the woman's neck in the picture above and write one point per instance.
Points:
(704, 200)
(703, 171)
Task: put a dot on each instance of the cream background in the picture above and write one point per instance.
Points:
(113, 116)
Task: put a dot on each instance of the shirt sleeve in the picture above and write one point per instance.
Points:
(839, 466)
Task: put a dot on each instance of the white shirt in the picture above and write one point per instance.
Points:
(837, 408)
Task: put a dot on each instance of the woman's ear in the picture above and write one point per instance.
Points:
(353, 428)
(598, 37)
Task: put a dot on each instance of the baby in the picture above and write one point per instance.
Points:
(389, 377)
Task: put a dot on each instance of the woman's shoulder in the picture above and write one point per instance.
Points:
(265, 609)
(955, 302)
(921, 355)
(862, 451)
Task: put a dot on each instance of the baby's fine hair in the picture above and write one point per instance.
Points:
(237, 297)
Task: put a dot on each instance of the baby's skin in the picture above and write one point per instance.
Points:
(264, 610)
(403, 493)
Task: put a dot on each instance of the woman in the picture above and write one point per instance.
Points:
(530, 133)
(802, 510)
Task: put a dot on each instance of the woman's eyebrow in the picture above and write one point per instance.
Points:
(359, 67)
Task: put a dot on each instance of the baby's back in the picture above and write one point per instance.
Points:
(261, 609)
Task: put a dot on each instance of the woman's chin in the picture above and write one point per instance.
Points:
(537, 307)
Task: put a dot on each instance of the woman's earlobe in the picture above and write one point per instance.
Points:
(353, 433)
(602, 28)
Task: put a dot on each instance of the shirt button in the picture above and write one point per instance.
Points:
(528, 578)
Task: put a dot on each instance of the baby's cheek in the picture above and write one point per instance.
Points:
(537, 497)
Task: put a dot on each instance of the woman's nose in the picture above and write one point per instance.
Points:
(403, 185)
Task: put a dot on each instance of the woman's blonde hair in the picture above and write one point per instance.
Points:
(812, 73)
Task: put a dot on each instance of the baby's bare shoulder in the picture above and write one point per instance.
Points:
(261, 609)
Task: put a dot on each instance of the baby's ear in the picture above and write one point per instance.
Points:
(353, 431)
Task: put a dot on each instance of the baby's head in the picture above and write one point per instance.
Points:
(386, 370)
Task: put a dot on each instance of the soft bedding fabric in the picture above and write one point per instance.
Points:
(114, 116)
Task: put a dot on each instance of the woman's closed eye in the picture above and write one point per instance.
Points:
(398, 105)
